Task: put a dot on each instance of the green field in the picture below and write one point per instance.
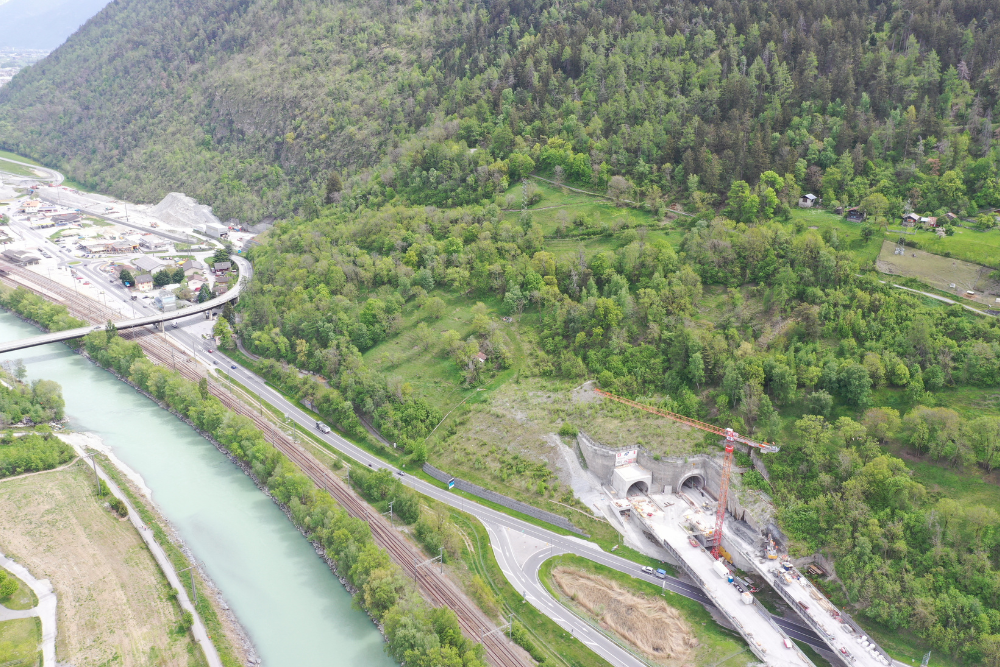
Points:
(16, 169)
(19, 642)
(4, 155)
(22, 598)
(848, 233)
(966, 244)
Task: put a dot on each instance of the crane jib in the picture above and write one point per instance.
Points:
(729, 434)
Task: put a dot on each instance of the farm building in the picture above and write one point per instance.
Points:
(807, 201)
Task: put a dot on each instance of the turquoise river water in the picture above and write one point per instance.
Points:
(295, 610)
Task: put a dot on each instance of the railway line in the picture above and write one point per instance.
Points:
(435, 586)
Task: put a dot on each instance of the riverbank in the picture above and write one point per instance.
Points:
(111, 602)
(223, 640)
(282, 594)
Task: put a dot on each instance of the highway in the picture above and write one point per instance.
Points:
(522, 575)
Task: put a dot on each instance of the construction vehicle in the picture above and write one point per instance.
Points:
(731, 436)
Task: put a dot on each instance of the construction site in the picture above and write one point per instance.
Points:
(685, 507)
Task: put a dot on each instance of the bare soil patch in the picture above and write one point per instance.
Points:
(114, 605)
(935, 270)
(651, 625)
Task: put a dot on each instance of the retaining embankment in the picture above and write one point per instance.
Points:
(503, 500)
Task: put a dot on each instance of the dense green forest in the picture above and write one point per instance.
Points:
(835, 365)
(248, 105)
(394, 140)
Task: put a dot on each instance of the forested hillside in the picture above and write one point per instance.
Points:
(247, 105)
(774, 329)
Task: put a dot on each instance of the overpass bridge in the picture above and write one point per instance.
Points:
(69, 334)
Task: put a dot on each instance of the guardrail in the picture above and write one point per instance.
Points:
(779, 584)
(500, 499)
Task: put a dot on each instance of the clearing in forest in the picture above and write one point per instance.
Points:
(935, 270)
(651, 625)
(114, 604)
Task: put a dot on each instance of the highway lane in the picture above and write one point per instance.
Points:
(525, 578)
(491, 518)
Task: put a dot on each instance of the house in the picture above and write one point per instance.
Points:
(910, 219)
(165, 301)
(839, 210)
(807, 201)
(195, 285)
(480, 357)
(929, 221)
(148, 264)
(221, 284)
(192, 264)
(20, 257)
(30, 206)
(221, 268)
(952, 218)
(144, 283)
(66, 218)
(855, 214)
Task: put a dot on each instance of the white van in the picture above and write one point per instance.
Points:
(322, 428)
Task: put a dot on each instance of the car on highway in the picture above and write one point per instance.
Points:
(647, 569)
(86, 282)
(233, 367)
(210, 350)
(400, 473)
(661, 574)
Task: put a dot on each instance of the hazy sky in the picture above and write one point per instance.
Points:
(43, 24)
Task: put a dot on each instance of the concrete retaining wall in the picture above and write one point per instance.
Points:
(668, 471)
(503, 500)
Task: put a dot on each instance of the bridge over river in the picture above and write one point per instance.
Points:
(23, 277)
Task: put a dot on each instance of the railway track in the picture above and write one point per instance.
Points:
(434, 585)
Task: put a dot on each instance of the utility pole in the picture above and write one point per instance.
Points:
(97, 479)
(390, 512)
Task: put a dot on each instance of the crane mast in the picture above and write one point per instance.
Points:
(731, 436)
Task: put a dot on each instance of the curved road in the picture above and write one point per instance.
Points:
(54, 176)
(523, 576)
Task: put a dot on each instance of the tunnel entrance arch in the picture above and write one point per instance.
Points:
(636, 488)
(694, 481)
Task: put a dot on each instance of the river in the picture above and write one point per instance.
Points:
(293, 607)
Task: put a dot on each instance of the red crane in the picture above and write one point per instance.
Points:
(731, 437)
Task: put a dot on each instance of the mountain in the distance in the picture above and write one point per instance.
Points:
(246, 105)
(43, 24)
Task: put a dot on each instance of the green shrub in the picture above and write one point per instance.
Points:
(567, 430)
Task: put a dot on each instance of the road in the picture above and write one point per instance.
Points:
(523, 576)
(938, 297)
(45, 609)
(53, 177)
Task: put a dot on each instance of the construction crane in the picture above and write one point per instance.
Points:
(731, 436)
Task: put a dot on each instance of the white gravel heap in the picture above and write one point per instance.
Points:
(179, 210)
